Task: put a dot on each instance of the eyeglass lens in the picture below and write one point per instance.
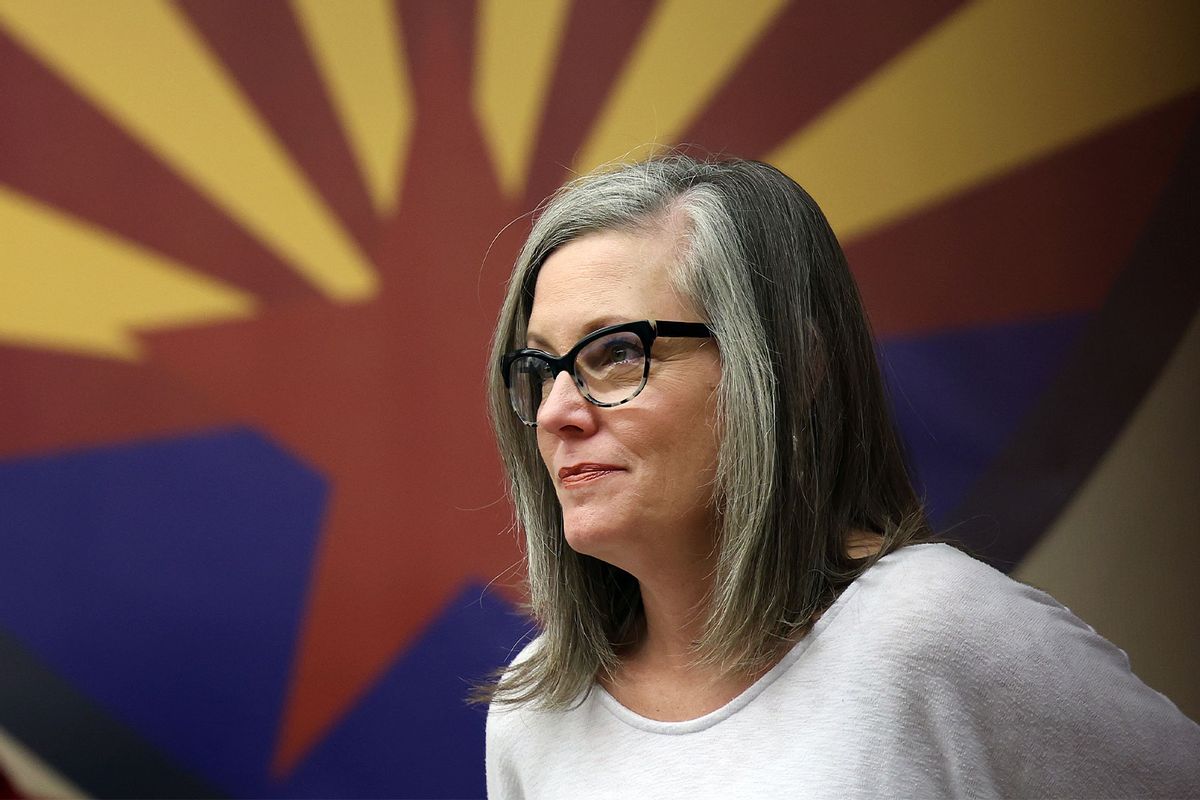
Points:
(611, 370)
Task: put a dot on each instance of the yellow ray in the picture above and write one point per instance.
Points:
(67, 285)
(1000, 83)
(358, 49)
(141, 63)
(516, 53)
(687, 50)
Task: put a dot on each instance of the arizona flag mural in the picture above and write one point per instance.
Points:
(253, 533)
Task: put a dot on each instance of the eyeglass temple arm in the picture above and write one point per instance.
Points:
(694, 329)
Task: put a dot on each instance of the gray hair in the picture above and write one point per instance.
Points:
(808, 451)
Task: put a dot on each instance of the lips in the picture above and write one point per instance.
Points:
(577, 474)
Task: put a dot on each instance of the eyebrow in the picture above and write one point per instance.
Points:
(537, 341)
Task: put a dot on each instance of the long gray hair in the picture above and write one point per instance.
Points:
(808, 452)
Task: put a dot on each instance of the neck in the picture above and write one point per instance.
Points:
(657, 676)
(673, 604)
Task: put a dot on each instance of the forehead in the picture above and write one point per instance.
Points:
(604, 278)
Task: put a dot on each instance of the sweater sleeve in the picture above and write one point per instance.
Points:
(1032, 702)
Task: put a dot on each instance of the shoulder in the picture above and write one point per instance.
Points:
(939, 620)
(529, 745)
(507, 728)
(934, 600)
(954, 594)
(526, 650)
(918, 569)
(1030, 691)
(507, 721)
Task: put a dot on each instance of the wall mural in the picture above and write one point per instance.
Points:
(254, 534)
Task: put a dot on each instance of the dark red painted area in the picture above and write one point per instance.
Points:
(266, 53)
(812, 55)
(598, 40)
(57, 148)
(53, 401)
(386, 400)
(1046, 239)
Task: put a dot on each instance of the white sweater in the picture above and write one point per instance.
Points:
(933, 675)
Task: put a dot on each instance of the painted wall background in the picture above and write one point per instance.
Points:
(253, 536)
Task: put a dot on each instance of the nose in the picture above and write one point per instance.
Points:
(565, 410)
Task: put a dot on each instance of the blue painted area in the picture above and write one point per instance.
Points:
(166, 580)
(413, 734)
(958, 397)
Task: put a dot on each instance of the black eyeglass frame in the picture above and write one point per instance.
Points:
(647, 330)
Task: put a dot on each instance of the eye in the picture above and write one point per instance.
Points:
(616, 351)
(620, 353)
(611, 356)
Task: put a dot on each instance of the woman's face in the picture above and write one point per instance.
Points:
(635, 481)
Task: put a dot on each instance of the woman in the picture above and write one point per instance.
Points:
(733, 577)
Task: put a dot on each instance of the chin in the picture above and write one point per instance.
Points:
(593, 538)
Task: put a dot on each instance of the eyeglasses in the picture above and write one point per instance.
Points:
(610, 366)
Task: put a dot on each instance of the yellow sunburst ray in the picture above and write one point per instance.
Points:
(686, 52)
(68, 285)
(1000, 83)
(142, 64)
(516, 53)
(357, 48)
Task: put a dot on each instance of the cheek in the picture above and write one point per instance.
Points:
(681, 418)
(705, 443)
(686, 441)
(545, 442)
(545, 451)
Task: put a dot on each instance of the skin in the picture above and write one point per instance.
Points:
(645, 500)
(651, 514)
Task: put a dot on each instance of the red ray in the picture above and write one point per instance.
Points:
(813, 54)
(597, 41)
(75, 401)
(263, 48)
(1033, 243)
(56, 147)
(387, 401)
